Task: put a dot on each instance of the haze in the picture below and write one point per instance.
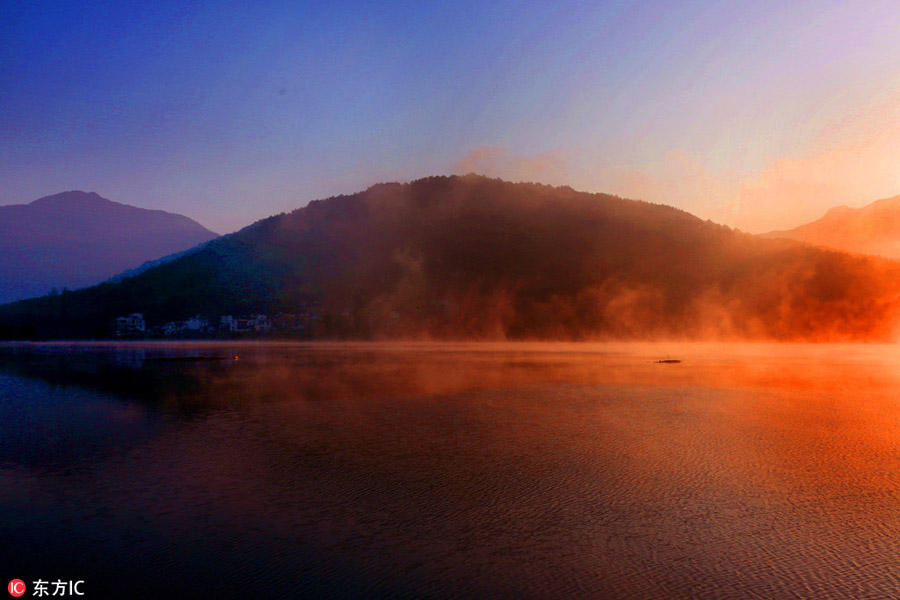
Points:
(756, 115)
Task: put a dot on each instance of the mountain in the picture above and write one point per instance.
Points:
(74, 239)
(149, 265)
(873, 229)
(478, 258)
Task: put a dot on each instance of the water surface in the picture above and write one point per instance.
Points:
(453, 470)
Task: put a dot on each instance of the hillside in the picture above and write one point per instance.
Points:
(74, 239)
(873, 229)
(471, 257)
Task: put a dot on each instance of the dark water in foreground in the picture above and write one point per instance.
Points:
(508, 471)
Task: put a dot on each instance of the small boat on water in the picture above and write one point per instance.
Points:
(667, 361)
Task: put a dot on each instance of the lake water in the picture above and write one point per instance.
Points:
(452, 470)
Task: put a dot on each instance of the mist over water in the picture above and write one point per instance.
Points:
(454, 470)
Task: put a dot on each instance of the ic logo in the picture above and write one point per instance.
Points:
(16, 588)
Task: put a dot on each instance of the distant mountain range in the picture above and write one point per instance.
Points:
(478, 258)
(74, 239)
(872, 229)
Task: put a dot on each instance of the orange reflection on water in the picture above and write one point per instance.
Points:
(564, 470)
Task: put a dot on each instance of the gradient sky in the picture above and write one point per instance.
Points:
(759, 115)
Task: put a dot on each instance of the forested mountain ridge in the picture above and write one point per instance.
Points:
(477, 258)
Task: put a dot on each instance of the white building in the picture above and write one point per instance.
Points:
(133, 324)
(195, 323)
(257, 323)
(228, 323)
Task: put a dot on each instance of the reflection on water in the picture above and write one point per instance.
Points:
(453, 470)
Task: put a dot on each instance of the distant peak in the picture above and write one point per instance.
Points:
(73, 197)
(886, 203)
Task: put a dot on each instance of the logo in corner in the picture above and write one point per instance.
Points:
(16, 588)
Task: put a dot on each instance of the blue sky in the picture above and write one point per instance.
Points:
(229, 112)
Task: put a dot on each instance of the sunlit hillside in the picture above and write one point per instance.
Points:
(872, 229)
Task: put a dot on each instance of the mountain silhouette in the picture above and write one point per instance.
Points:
(477, 258)
(74, 239)
(873, 229)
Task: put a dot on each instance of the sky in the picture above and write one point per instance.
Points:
(760, 115)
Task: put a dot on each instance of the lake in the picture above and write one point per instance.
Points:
(411, 470)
